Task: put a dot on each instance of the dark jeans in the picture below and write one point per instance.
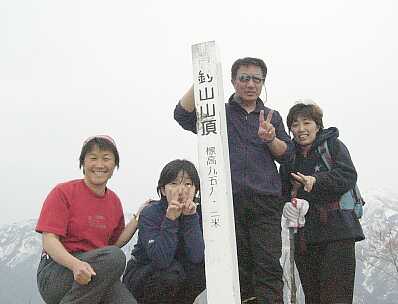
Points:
(259, 244)
(177, 284)
(327, 272)
(57, 286)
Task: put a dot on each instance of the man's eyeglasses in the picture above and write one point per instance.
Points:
(246, 78)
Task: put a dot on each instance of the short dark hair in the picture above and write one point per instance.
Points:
(248, 61)
(311, 111)
(103, 144)
(170, 172)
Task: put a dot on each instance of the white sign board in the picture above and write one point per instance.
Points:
(222, 278)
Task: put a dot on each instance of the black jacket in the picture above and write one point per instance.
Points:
(323, 223)
(253, 169)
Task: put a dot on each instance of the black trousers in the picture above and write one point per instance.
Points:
(259, 245)
(180, 283)
(327, 272)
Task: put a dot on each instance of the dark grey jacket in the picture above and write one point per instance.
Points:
(323, 223)
(253, 169)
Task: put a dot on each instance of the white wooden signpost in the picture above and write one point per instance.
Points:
(222, 278)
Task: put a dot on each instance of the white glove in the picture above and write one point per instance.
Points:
(295, 212)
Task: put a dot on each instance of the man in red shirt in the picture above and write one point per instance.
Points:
(83, 228)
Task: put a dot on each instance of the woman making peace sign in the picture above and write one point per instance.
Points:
(325, 257)
(166, 265)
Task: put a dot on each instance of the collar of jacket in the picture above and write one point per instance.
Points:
(321, 136)
(235, 101)
(163, 203)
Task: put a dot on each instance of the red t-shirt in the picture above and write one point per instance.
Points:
(83, 220)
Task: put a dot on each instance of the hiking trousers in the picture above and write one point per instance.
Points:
(259, 247)
(57, 286)
(327, 272)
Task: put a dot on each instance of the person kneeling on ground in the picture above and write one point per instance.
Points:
(82, 226)
(167, 263)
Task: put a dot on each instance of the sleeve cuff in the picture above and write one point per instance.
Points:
(169, 224)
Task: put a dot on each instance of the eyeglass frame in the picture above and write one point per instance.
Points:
(246, 78)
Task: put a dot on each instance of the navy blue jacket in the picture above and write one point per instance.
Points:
(328, 188)
(253, 169)
(161, 240)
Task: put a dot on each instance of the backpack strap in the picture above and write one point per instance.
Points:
(324, 151)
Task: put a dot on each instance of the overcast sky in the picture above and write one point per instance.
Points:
(71, 69)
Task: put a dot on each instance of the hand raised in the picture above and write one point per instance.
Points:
(307, 181)
(266, 130)
(189, 204)
(175, 207)
(295, 187)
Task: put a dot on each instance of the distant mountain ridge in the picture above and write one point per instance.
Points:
(376, 280)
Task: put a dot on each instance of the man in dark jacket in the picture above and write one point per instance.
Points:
(255, 142)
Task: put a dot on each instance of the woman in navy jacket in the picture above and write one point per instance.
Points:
(166, 265)
(325, 246)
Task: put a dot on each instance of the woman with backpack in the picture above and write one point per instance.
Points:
(167, 263)
(82, 226)
(325, 246)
